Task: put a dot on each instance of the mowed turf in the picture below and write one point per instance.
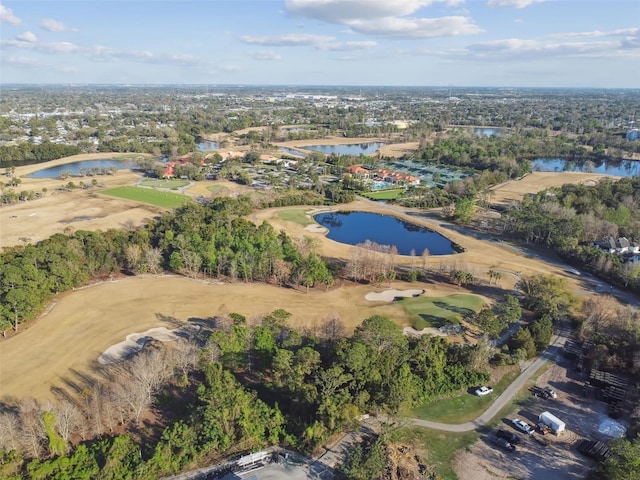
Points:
(296, 215)
(158, 183)
(148, 195)
(436, 311)
(384, 194)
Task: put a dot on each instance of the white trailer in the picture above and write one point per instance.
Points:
(554, 423)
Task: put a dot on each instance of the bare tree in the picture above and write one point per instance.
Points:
(333, 327)
(152, 258)
(9, 430)
(133, 255)
(32, 433)
(68, 419)
(184, 357)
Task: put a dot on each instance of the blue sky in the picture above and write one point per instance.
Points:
(520, 43)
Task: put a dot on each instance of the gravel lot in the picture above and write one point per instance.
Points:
(560, 459)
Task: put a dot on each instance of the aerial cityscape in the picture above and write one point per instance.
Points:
(320, 239)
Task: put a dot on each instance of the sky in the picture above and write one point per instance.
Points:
(484, 43)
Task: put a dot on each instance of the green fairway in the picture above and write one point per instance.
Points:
(436, 311)
(147, 195)
(384, 194)
(441, 447)
(296, 215)
(464, 407)
(164, 183)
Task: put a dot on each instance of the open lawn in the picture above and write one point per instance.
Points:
(159, 183)
(384, 194)
(147, 195)
(464, 407)
(296, 215)
(436, 311)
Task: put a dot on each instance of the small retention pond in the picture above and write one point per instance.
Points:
(88, 167)
(620, 168)
(353, 228)
(350, 149)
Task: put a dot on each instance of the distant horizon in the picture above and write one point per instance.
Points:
(355, 86)
(477, 43)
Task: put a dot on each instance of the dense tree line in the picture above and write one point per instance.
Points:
(571, 218)
(298, 389)
(31, 153)
(212, 239)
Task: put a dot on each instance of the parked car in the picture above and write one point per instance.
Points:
(550, 392)
(522, 426)
(501, 442)
(508, 436)
(482, 391)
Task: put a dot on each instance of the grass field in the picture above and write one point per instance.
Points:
(296, 215)
(384, 194)
(436, 311)
(164, 183)
(146, 195)
(218, 189)
(464, 407)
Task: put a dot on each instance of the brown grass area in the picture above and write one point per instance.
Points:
(225, 189)
(515, 190)
(76, 210)
(68, 340)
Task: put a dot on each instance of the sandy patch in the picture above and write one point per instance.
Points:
(392, 294)
(135, 342)
(315, 228)
(398, 150)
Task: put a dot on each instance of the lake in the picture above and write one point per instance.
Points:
(350, 149)
(619, 168)
(76, 167)
(353, 228)
(207, 146)
(291, 151)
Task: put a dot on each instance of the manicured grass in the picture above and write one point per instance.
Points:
(441, 447)
(464, 407)
(384, 194)
(295, 215)
(217, 189)
(147, 195)
(436, 311)
(164, 183)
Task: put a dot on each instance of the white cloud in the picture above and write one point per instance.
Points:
(26, 37)
(266, 56)
(22, 62)
(288, 40)
(385, 17)
(55, 26)
(512, 3)
(598, 33)
(515, 47)
(7, 16)
(349, 46)
(57, 47)
(418, 27)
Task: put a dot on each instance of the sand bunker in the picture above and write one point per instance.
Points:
(136, 341)
(412, 332)
(315, 228)
(391, 295)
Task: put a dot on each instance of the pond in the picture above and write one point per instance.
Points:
(347, 149)
(619, 168)
(353, 228)
(487, 131)
(291, 151)
(207, 146)
(77, 168)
